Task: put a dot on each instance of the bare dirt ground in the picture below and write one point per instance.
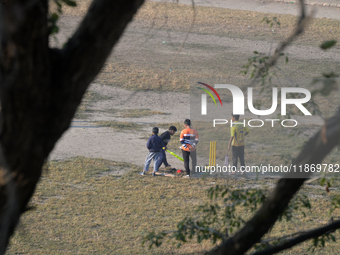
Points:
(149, 47)
(84, 138)
(273, 6)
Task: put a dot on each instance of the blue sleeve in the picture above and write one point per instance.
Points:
(148, 144)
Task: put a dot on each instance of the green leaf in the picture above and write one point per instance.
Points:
(70, 3)
(54, 30)
(54, 17)
(323, 180)
(327, 44)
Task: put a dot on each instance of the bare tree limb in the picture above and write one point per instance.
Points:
(313, 153)
(186, 35)
(301, 24)
(306, 236)
(76, 65)
(87, 50)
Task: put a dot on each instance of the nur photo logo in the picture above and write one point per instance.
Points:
(284, 94)
(204, 97)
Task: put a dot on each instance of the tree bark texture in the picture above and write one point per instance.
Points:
(41, 88)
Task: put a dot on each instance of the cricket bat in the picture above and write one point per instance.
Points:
(174, 154)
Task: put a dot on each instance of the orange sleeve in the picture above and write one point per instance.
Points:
(181, 136)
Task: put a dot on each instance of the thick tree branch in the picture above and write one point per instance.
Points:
(24, 92)
(317, 148)
(75, 66)
(24, 97)
(9, 211)
(87, 50)
(286, 188)
(41, 88)
(301, 238)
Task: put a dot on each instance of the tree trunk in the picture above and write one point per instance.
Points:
(41, 88)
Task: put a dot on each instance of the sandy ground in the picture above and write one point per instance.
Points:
(84, 138)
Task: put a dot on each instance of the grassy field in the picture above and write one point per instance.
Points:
(134, 113)
(224, 22)
(85, 206)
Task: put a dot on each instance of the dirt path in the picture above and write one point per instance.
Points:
(84, 138)
(323, 8)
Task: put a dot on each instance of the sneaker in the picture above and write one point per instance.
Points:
(186, 176)
(153, 174)
(142, 173)
(167, 165)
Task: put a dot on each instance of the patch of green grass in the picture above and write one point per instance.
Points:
(120, 125)
(89, 98)
(78, 209)
(134, 113)
(83, 112)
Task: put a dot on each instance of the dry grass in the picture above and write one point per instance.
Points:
(170, 17)
(226, 22)
(138, 113)
(82, 206)
(233, 23)
(132, 76)
(120, 126)
(90, 97)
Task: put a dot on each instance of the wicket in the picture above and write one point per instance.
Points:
(212, 155)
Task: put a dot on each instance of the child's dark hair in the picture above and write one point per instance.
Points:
(187, 122)
(173, 128)
(155, 130)
(236, 116)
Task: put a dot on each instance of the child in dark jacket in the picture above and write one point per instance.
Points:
(166, 136)
(154, 145)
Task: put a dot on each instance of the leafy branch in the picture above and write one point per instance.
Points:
(220, 217)
(319, 235)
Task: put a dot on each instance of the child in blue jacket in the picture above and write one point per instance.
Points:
(154, 144)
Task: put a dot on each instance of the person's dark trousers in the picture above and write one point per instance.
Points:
(238, 152)
(186, 155)
(164, 161)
